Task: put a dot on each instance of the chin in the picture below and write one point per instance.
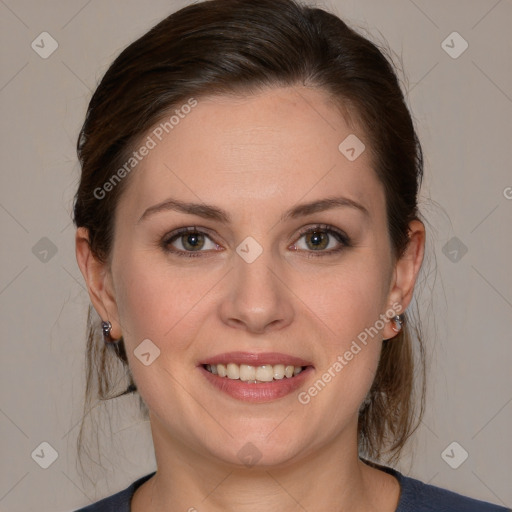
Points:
(255, 454)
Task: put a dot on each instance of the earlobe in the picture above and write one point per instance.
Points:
(97, 278)
(406, 272)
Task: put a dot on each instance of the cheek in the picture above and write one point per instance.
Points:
(157, 302)
(346, 304)
(163, 307)
(348, 310)
(349, 298)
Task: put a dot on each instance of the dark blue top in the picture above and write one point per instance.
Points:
(415, 496)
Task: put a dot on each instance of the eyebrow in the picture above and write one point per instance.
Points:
(214, 213)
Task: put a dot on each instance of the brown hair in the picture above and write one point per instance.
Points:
(240, 47)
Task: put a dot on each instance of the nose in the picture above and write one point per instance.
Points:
(257, 299)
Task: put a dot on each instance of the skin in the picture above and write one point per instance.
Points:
(255, 157)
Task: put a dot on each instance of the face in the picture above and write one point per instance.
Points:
(259, 280)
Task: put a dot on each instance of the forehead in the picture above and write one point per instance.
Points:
(262, 151)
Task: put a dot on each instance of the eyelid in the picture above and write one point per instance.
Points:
(323, 227)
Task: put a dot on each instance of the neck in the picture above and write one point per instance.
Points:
(332, 478)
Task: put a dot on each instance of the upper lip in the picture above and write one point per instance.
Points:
(256, 359)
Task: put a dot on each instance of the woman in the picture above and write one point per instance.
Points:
(248, 230)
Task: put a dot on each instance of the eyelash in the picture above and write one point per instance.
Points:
(338, 235)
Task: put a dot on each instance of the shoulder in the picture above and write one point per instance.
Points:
(119, 502)
(417, 496)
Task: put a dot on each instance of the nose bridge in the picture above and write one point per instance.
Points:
(255, 272)
(258, 297)
(254, 266)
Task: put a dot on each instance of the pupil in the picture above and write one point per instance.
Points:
(318, 239)
(193, 241)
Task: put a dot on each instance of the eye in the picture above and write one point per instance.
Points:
(322, 239)
(187, 241)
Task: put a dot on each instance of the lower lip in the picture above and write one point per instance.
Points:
(260, 392)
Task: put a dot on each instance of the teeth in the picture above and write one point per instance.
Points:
(265, 373)
(254, 374)
(233, 371)
(247, 372)
(279, 371)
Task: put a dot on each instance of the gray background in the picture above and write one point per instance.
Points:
(462, 108)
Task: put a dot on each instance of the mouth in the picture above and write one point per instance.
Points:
(256, 377)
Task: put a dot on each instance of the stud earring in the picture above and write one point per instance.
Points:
(106, 328)
(399, 320)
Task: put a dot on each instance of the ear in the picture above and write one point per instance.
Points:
(406, 272)
(98, 279)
